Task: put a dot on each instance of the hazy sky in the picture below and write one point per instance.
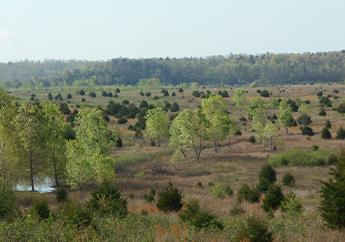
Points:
(103, 29)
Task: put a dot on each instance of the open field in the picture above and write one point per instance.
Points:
(140, 167)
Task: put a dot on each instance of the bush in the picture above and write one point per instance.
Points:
(304, 120)
(92, 94)
(328, 124)
(150, 197)
(169, 199)
(63, 107)
(41, 208)
(75, 214)
(325, 101)
(248, 194)
(307, 131)
(322, 112)
(61, 195)
(193, 215)
(254, 230)
(268, 173)
(221, 191)
(7, 201)
(118, 142)
(299, 157)
(341, 133)
(341, 108)
(273, 198)
(332, 195)
(288, 180)
(107, 200)
(264, 93)
(325, 133)
(236, 211)
(252, 139)
(292, 205)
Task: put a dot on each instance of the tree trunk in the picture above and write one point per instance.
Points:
(183, 153)
(31, 172)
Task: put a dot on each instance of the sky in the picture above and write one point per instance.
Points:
(105, 29)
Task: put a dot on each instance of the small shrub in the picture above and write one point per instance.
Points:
(41, 208)
(307, 131)
(341, 133)
(273, 198)
(333, 159)
(75, 214)
(107, 200)
(61, 195)
(252, 139)
(268, 173)
(193, 215)
(292, 205)
(264, 93)
(341, 108)
(332, 195)
(199, 184)
(322, 112)
(248, 194)
(7, 201)
(328, 124)
(325, 133)
(150, 196)
(170, 199)
(288, 180)
(221, 191)
(254, 230)
(118, 142)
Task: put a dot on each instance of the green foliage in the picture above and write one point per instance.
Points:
(170, 199)
(221, 191)
(273, 198)
(341, 108)
(157, 124)
(8, 202)
(248, 194)
(332, 193)
(150, 196)
(267, 173)
(239, 97)
(254, 230)
(325, 133)
(40, 207)
(193, 215)
(288, 180)
(75, 214)
(285, 115)
(299, 157)
(87, 155)
(341, 133)
(61, 195)
(307, 131)
(292, 205)
(107, 200)
(188, 131)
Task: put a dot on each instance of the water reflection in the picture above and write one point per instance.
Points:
(41, 185)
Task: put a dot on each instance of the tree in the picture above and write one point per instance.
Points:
(55, 140)
(258, 114)
(88, 158)
(285, 115)
(239, 97)
(8, 138)
(218, 122)
(30, 126)
(187, 132)
(269, 132)
(332, 193)
(325, 133)
(157, 124)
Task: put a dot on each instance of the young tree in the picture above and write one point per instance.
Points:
(8, 138)
(233, 130)
(30, 126)
(270, 131)
(218, 122)
(157, 124)
(188, 131)
(285, 115)
(88, 158)
(239, 97)
(55, 140)
(258, 114)
(332, 194)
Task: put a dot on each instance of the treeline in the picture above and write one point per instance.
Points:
(217, 70)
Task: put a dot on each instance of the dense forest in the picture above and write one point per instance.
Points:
(217, 70)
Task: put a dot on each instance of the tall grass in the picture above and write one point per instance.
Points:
(299, 157)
